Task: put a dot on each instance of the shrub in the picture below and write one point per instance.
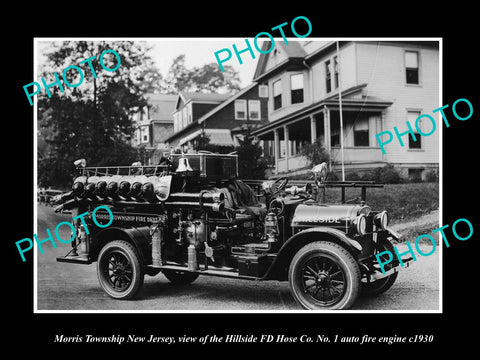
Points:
(402, 201)
(389, 175)
(352, 176)
(315, 153)
(331, 176)
(370, 176)
(431, 176)
(386, 175)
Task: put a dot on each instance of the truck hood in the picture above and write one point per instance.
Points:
(330, 215)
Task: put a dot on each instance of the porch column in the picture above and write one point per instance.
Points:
(286, 138)
(313, 129)
(276, 148)
(326, 132)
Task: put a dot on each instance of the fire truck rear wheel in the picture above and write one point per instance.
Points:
(180, 277)
(324, 276)
(119, 270)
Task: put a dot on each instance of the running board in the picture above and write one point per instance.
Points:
(224, 272)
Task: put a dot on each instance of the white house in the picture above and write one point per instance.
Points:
(382, 84)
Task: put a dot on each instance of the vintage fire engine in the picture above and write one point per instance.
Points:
(191, 216)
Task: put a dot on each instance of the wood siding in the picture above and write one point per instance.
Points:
(382, 67)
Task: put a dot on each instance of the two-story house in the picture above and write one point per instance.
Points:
(382, 84)
(222, 118)
(153, 125)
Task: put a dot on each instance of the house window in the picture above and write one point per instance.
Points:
(240, 109)
(137, 135)
(328, 76)
(296, 147)
(144, 135)
(179, 120)
(297, 88)
(254, 109)
(175, 122)
(277, 94)
(189, 113)
(360, 133)
(411, 118)
(269, 148)
(411, 67)
(415, 174)
(335, 137)
(283, 149)
(184, 116)
(144, 114)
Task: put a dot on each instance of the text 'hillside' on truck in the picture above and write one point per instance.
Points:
(191, 216)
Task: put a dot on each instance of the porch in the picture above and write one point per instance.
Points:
(285, 139)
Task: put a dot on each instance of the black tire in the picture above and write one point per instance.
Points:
(119, 270)
(324, 276)
(381, 285)
(180, 277)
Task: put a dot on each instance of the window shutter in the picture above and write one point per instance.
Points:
(263, 91)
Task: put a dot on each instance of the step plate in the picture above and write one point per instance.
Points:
(74, 259)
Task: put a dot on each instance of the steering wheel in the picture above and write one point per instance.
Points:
(278, 185)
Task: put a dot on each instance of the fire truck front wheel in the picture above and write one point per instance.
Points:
(119, 270)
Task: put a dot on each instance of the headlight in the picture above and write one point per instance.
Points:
(381, 220)
(277, 206)
(360, 224)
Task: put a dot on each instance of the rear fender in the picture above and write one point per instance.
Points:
(139, 237)
(279, 268)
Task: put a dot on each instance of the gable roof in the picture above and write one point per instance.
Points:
(226, 102)
(293, 50)
(200, 97)
(162, 105)
(217, 108)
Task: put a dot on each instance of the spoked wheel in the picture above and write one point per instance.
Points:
(324, 276)
(119, 271)
(381, 285)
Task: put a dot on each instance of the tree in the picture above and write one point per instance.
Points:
(206, 78)
(151, 80)
(92, 120)
(251, 163)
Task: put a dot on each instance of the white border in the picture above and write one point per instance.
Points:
(337, 312)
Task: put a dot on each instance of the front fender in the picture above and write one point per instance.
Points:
(342, 238)
(392, 233)
(279, 268)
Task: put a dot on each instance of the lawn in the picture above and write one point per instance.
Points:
(403, 202)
